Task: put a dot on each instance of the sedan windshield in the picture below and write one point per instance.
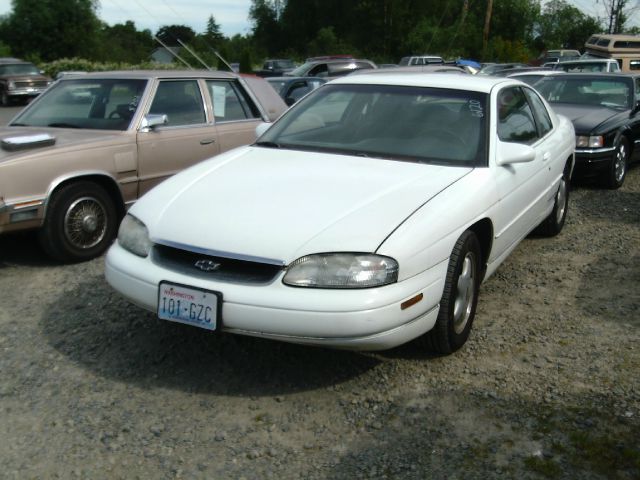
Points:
(99, 104)
(597, 91)
(383, 121)
(19, 69)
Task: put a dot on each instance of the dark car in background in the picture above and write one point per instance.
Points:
(20, 80)
(292, 89)
(330, 68)
(276, 67)
(605, 113)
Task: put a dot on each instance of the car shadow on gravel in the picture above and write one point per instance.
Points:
(22, 249)
(104, 333)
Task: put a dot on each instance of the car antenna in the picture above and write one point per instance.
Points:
(172, 52)
(194, 54)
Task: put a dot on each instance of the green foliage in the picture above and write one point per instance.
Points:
(83, 65)
(246, 63)
(50, 29)
(564, 26)
(170, 34)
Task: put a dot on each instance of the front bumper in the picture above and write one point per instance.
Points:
(362, 319)
(593, 160)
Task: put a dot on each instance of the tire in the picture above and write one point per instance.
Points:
(460, 297)
(80, 223)
(552, 225)
(617, 171)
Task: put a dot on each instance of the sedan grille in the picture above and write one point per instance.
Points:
(42, 83)
(214, 268)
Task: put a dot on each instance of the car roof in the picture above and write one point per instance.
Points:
(149, 74)
(441, 68)
(590, 60)
(455, 81)
(610, 75)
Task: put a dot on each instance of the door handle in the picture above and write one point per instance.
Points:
(546, 156)
(208, 141)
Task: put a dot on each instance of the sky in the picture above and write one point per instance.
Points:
(231, 15)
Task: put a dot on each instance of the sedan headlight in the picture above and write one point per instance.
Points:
(134, 236)
(583, 141)
(342, 270)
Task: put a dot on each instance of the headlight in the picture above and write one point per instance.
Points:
(134, 236)
(589, 142)
(342, 270)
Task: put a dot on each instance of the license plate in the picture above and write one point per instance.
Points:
(193, 306)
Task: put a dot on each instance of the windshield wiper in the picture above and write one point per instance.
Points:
(268, 144)
(19, 125)
(63, 125)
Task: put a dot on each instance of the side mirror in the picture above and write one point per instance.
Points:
(636, 108)
(150, 121)
(509, 153)
(289, 101)
(260, 129)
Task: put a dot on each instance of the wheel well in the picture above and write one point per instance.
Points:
(110, 186)
(484, 231)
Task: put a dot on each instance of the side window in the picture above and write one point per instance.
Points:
(181, 101)
(299, 90)
(230, 102)
(541, 116)
(515, 119)
(321, 70)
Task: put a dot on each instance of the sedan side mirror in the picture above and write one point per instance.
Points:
(260, 129)
(150, 121)
(636, 108)
(509, 153)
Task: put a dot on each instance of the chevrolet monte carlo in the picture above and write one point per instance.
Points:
(366, 216)
(87, 148)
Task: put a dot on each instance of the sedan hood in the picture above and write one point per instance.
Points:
(63, 138)
(278, 205)
(588, 118)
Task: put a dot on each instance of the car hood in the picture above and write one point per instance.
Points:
(587, 118)
(64, 138)
(25, 78)
(279, 205)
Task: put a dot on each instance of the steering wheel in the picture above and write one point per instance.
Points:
(115, 114)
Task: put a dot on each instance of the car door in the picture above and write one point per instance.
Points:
(524, 188)
(236, 114)
(188, 137)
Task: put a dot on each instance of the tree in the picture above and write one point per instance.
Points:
(212, 33)
(617, 14)
(51, 29)
(564, 26)
(124, 43)
(170, 34)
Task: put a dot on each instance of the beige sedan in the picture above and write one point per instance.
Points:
(74, 160)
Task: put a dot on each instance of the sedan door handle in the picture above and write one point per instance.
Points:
(208, 142)
(546, 156)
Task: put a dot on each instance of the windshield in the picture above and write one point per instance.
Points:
(282, 64)
(606, 92)
(302, 70)
(582, 67)
(100, 104)
(19, 69)
(276, 84)
(391, 122)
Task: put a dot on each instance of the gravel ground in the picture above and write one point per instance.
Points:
(548, 385)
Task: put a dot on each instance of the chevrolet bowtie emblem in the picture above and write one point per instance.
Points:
(207, 265)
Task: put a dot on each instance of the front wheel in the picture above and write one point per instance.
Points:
(460, 297)
(618, 167)
(80, 223)
(552, 225)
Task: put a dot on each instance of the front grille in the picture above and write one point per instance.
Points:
(229, 270)
(42, 83)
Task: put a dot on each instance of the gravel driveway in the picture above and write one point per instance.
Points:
(547, 387)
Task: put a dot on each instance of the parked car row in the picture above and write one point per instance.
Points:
(351, 249)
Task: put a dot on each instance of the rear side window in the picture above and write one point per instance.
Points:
(230, 103)
(515, 118)
(181, 101)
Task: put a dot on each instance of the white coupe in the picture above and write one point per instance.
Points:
(366, 216)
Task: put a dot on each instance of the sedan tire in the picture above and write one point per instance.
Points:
(80, 224)
(618, 169)
(552, 225)
(460, 297)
